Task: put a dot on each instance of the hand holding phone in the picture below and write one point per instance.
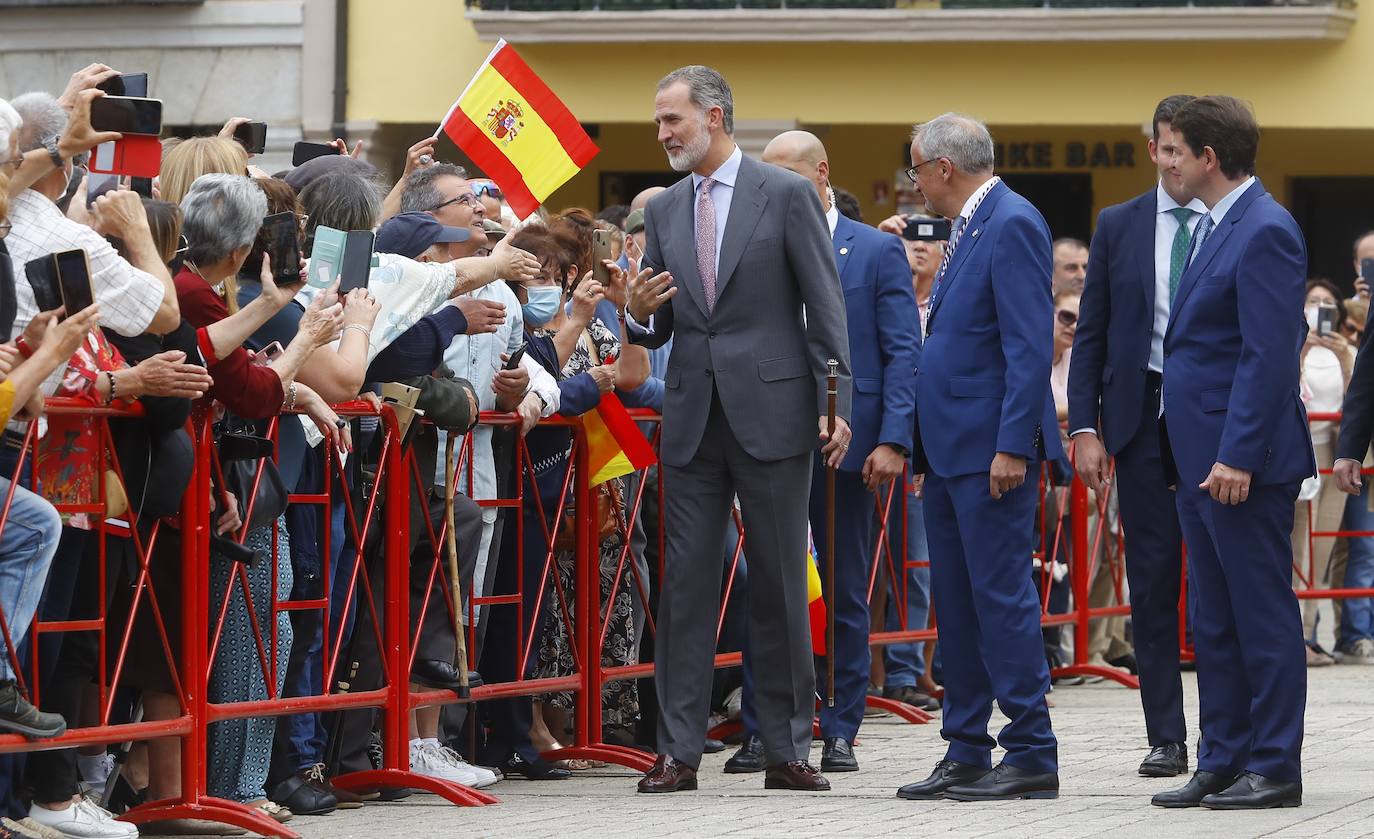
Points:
(926, 229)
(74, 280)
(267, 354)
(514, 360)
(304, 151)
(127, 115)
(601, 254)
(252, 136)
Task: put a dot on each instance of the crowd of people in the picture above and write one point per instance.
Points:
(473, 310)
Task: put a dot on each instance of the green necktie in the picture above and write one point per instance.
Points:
(1178, 255)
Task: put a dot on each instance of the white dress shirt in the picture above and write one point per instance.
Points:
(832, 218)
(1166, 226)
(1225, 204)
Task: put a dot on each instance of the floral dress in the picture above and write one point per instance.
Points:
(620, 698)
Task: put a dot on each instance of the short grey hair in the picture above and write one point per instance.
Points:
(10, 121)
(343, 201)
(44, 119)
(222, 214)
(962, 140)
(707, 89)
(419, 194)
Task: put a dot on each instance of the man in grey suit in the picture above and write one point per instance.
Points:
(744, 388)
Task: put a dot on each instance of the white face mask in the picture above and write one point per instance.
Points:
(1311, 313)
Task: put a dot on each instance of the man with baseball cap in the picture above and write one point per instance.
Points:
(412, 234)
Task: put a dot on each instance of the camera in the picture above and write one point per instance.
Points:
(926, 229)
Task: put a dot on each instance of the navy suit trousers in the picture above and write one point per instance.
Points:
(989, 620)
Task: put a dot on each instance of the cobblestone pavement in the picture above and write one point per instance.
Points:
(1101, 735)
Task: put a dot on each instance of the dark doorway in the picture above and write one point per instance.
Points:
(1331, 213)
(1066, 201)
(622, 187)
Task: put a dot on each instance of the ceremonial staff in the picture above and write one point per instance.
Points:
(451, 549)
(831, 392)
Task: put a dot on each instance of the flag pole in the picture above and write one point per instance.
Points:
(460, 641)
(831, 393)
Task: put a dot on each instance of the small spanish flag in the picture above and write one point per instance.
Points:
(815, 603)
(517, 131)
(615, 445)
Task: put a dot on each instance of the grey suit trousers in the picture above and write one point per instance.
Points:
(697, 499)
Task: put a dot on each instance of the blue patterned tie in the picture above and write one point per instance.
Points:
(1204, 229)
(955, 232)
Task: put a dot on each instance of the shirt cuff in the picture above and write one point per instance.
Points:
(1092, 431)
(635, 326)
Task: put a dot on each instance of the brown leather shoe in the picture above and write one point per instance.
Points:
(668, 775)
(798, 775)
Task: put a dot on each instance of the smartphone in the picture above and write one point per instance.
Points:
(127, 115)
(279, 235)
(1326, 319)
(97, 184)
(601, 251)
(136, 155)
(1367, 270)
(926, 229)
(127, 84)
(514, 360)
(74, 280)
(142, 186)
(252, 136)
(357, 261)
(42, 277)
(309, 151)
(267, 354)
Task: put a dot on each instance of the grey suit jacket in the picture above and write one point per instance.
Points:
(764, 358)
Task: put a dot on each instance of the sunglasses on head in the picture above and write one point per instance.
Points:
(488, 189)
(1067, 318)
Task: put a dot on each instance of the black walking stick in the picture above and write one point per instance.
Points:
(831, 393)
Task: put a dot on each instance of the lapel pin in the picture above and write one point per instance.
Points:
(844, 251)
(975, 233)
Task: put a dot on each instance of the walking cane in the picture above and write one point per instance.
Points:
(460, 640)
(831, 392)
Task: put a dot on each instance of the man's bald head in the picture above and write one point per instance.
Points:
(803, 153)
(642, 199)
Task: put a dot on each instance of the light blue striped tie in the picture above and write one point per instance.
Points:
(1204, 229)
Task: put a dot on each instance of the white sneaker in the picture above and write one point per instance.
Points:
(96, 771)
(83, 820)
(443, 763)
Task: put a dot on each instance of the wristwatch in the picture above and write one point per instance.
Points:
(51, 145)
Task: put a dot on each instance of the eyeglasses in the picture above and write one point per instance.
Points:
(1067, 318)
(468, 198)
(5, 228)
(13, 161)
(490, 190)
(914, 172)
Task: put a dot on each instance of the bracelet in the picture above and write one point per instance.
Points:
(358, 326)
(110, 398)
(290, 397)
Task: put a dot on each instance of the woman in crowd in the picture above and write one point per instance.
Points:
(189, 159)
(1327, 361)
(223, 216)
(584, 354)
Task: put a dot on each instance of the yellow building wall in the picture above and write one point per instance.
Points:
(408, 60)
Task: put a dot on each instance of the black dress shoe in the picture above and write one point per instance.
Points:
(1256, 792)
(948, 773)
(668, 775)
(795, 775)
(1202, 784)
(303, 795)
(712, 746)
(749, 758)
(1166, 761)
(838, 756)
(1005, 783)
(533, 770)
(913, 697)
(432, 673)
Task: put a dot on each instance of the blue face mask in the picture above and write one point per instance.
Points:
(544, 300)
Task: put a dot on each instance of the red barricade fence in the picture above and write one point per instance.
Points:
(1075, 527)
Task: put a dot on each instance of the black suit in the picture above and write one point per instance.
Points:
(1357, 413)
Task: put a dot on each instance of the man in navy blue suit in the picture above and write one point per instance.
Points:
(1239, 440)
(1138, 254)
(985, 420)
(884, 341)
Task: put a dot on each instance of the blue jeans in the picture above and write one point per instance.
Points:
(27, 545)
(903, 664)
(1357, 613)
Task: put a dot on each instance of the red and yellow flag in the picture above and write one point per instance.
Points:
(815, 603)
(615, 445)
(517, 131)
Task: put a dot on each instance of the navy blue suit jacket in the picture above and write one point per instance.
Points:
(983, 385)
(884, 337)
(1231, 353)
(1111, 350)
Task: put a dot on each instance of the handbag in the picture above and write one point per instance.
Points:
(240, 455)
(608, 504)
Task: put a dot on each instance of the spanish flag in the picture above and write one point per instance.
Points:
(815, 603)
(615, 445)
(517, 131)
